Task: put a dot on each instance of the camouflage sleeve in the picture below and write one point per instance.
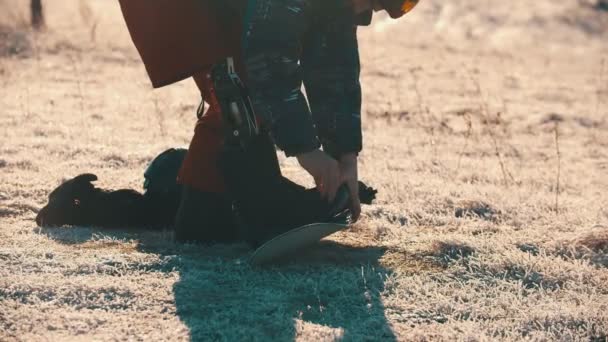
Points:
(271, 47)
(331, 68)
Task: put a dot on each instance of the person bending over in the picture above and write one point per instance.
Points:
(286, 44)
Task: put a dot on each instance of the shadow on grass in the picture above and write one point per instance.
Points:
(331, 292)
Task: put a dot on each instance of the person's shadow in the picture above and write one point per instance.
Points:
(331, 292)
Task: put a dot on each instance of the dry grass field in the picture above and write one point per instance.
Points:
(486, 132)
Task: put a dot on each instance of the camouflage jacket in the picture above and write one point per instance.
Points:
(290, 43)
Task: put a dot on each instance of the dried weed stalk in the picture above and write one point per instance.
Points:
(559, 167)
(160, 116)
(599, 91)
(467, 137)
(37, 14)
(24, 103)
(424, 109)
(77, 75)
(484, 109)
(28, 112)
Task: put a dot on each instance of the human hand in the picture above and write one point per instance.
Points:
(349, 174)
(325, 171)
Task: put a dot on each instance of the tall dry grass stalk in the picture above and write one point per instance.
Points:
(600, 90)
(78, 75)
(485, 111)
(37, 14)
(559, 166)
(467, 137)
(160, 116)
(424, 109)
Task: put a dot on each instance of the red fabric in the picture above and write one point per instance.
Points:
(177, 39)
(200, 170)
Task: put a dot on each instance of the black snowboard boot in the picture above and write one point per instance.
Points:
(205, 218)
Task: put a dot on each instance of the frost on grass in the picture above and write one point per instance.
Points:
(448, 251)
(591, 246)
(478, 209)
(500, 264)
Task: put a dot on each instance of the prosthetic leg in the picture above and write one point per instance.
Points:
(267, 204)
(205, 212)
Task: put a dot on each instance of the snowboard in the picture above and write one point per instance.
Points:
(287, 245)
